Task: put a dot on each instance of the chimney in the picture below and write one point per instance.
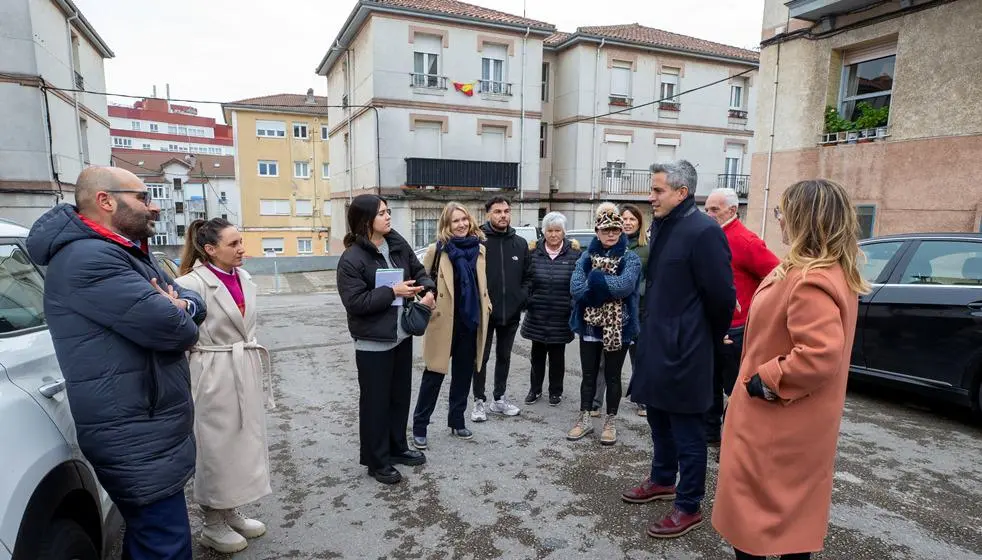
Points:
(167, 86)
(310, 97)
(155, 92)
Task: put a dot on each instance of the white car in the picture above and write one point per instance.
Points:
(51, 505)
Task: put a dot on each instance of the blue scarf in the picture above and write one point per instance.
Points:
(463, 253)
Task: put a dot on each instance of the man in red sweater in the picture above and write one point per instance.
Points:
(751, 262)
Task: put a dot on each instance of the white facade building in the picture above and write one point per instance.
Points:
(409, 130)
(48, 135)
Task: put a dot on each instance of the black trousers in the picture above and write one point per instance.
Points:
(726, 371)
(505, 335)
(463, 353)
(385, 385)
(590, 354)
(557, 367)
(740, 555)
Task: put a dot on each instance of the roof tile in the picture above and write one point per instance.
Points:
(455, 8)
(150, 165)
(637, 33)
(287, 102)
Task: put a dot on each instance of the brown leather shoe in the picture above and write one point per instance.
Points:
(675, 524)
(648, 491)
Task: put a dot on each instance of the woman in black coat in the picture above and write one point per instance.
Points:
(549, 306)
(383, 350)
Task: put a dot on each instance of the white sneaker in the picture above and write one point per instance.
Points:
(248, 528)
(479, 413)
(218, 536)
(501, 406)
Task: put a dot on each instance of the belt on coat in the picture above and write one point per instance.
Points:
(238, 357)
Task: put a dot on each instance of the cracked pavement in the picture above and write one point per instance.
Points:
(908, 481)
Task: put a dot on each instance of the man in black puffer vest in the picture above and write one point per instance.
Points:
(120, 331)
(508, 285)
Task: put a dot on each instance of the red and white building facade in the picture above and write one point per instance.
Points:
(161, 126)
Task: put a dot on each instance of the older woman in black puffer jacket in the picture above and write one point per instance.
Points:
(549, 305)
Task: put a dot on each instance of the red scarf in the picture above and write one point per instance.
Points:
(113, 236)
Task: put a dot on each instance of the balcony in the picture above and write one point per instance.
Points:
(739, 183)
(620, 101)
(427, 172)
(814, 10)
(79, 81)
(491, 87)
(621, 181)
(427, 81)
(670, 106)
(738, 114)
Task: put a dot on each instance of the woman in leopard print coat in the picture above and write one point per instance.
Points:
(605, 315)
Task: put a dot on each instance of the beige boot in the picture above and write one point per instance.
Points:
(218, 536)
(608, 436)
(248, 528)
(582, 427)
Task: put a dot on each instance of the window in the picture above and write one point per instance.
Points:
(493, 143)
(616, 158)
(304, 207)
(305, 246)
(327, 209)
(428, 140)
(224, 216)
(22, 291)
(493, 69)
(664, 152)
(159, 239)
(736, 97)
(157, 191)
(179, 208)
(275, 129)
(866, 79)
(543, 131)
(620, 79)
(424, 232)
(325, 171)
(300, 130)
(670, 85)
(178, 183)
(324, 132)
(878, 255)
(135, 125)
(222, 197)
(865, 215)
(181, 230)
(146, 146)
(426, 60)
(301, 169)
(732, 165)
(948, 263)
(268, 168)
(122, 142)
(273, 245)
(274, 207)
(545, 81)
(176, 148)
(154, 127)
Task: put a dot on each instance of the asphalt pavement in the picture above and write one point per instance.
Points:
(908, 482)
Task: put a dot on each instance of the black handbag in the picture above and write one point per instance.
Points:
(415, 315)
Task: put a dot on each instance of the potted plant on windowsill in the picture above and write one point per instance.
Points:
(836, 127)
(871, 120)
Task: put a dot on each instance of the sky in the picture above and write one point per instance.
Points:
(224, 50)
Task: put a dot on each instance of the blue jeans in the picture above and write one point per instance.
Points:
(157, 531)
(680, 449)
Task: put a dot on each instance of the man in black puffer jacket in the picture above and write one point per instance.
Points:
(120, 332)
(508, 286)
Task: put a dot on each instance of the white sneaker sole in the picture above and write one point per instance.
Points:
(478, 418)
(253, 534)
(500, 413)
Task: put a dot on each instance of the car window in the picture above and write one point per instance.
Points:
(951, 263)
(21, 291)
(877, 257)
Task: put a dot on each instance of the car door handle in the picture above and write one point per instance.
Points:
(975, 305)
(51, 389)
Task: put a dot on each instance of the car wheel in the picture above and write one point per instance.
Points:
(66, 540)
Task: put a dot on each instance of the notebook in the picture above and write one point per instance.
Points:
(389, 277)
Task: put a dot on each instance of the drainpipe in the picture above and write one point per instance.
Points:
(71, 64)
(349, 155)
(593, 140)
(770, 149)
(521, 128)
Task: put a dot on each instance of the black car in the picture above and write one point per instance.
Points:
(921, 325)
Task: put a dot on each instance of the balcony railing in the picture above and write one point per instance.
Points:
(428, 172)
(79, 81)
(739, 183)
(618, 180)
(620, 101)
(670, 106)
(494, 88)
(428, 81)
(738, 114)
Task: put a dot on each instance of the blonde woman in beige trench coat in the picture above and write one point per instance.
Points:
(228, 371)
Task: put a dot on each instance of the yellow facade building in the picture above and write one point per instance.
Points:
(283, 170)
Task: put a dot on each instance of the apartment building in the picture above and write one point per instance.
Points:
(49, 133)
(186, 187)
(442, 100)
(284, 173)
(879, 96)
(159, 125)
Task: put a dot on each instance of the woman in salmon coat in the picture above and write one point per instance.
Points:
(779, 439)
(228, 371)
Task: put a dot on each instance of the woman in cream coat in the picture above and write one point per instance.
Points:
(227, 377)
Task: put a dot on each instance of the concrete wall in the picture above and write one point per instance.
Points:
(924, 176)
(284, 265)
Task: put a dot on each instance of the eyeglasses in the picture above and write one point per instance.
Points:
(142, 196)
(610, 231)
(777, 213)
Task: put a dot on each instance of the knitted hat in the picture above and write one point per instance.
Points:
(608, 216)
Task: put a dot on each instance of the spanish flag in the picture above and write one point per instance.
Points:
(466, 89)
